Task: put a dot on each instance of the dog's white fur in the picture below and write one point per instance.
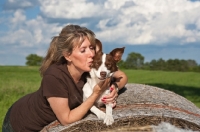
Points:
(88, 89)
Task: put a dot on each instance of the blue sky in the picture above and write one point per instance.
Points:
(168, 29)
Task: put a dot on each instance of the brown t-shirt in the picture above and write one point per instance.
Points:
(32, 112)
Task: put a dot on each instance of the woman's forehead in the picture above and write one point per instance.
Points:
(82, 43)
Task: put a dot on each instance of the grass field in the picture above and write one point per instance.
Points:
(186, 84)
(16, 81)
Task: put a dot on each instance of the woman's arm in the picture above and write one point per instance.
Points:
(62, 111)
(121, 80)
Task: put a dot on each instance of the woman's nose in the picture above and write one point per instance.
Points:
(91, 53)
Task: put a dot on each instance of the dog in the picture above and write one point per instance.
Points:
(103, 66)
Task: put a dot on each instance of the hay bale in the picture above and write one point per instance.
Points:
(139, 106)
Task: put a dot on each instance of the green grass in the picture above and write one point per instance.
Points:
(186, 84)
(17, 81)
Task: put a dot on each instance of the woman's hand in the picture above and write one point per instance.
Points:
(101, 86)
(112, 97)
(121, 79)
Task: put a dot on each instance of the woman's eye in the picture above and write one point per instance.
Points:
(82, 51)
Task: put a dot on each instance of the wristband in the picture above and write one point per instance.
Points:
(116, 86)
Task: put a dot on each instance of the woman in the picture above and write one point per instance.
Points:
(63, 72)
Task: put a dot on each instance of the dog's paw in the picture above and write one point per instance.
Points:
(109, 120)
(101, 115)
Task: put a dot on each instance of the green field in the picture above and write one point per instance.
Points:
(16, 81)
(186, 84)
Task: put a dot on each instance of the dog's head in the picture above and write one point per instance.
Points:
(104, 65)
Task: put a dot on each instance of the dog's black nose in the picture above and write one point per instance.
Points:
(103, 74)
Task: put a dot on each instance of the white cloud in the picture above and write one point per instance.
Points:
(18, 17)
(197, 23)
(20, 36)
(128, 21)
(28, 33)
(12, 5)
(138, 22)
(153, 22)
(125, 22)
(69, 9)
(41, 31)
(114, 4)
(23, 3)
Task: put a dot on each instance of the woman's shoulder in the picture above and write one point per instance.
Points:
(56, 69)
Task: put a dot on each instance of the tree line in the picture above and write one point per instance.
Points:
(136, 61)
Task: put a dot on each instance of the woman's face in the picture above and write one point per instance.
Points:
(82, 57)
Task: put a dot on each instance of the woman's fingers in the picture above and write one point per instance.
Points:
(101, 86)
(110, 97)
(104, 84)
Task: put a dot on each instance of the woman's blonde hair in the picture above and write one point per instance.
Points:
(70, 37)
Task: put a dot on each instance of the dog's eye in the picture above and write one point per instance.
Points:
(108, 65)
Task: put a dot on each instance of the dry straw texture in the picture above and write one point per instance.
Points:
(138, 108)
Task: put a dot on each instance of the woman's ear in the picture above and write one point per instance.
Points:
(67, 56)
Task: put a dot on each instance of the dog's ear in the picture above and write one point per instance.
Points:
(98, 47)
(117, 53)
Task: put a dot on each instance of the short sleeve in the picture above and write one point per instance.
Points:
(54, 87)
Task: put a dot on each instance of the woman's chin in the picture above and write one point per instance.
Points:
(88, 69)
